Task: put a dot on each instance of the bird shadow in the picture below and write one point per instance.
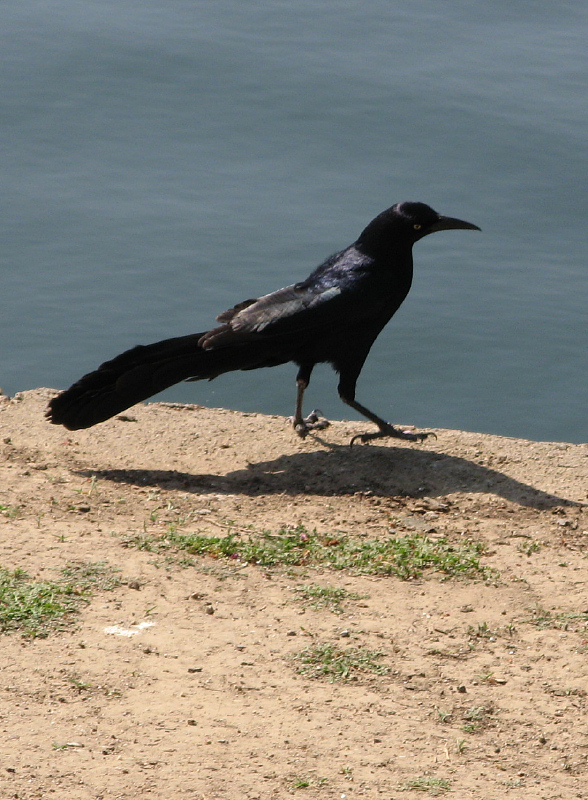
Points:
(339, 470)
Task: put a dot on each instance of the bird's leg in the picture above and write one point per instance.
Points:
(385, 428)
(302, 425)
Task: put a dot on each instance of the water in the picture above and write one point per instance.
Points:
(163, 162)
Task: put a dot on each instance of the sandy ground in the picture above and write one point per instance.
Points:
(485, 696)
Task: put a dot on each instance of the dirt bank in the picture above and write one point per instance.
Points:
(182, 680)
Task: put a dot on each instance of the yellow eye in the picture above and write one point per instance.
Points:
(417, 227)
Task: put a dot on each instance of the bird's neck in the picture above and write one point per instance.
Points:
(395, 268)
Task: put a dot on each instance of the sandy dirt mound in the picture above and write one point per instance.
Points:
(182, 681)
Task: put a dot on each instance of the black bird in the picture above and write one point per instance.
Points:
(334, 317)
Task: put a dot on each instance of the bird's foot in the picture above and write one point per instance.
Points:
(312, 422)
(388, 430)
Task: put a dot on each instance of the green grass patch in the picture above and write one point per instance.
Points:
(305, 783)
(10, 511)
(406, 557)
(482, 631)
(335, 663)
(434, 786)
(36, 608)
(564, 620)
(92, 575)
(332, 597)
(477, 718)
(528, 548)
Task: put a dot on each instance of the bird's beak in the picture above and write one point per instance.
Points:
(450, 223)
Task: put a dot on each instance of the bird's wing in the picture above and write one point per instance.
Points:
(228, 315)
(289, 309)
(299, 307)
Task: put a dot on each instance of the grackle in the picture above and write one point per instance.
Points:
(334, 317)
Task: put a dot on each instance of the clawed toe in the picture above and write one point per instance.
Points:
(312, 422)
(395, 433)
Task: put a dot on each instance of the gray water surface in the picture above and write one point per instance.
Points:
(161, 163)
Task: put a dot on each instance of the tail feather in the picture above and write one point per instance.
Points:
(138, 374)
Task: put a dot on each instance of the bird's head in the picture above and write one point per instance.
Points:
(406, 223)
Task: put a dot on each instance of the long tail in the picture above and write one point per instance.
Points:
(142, 372)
